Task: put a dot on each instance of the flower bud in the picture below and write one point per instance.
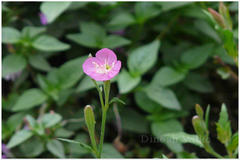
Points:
(90, 122)
(89, 118)
(224, 12)
(90, 55)
(218, 18)
(199, 111)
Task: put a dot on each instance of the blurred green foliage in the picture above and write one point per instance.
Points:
(174, 55)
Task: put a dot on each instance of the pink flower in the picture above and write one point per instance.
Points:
(43, 19)
(103, 67)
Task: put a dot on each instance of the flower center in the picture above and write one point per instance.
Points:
(108, 67)
(103, 68)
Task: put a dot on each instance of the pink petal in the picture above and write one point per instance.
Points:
(100, 77)
(115, 70)
(106, 55)
(89, 66)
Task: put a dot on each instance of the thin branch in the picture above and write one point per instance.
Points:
(233, 74)
(118, 120)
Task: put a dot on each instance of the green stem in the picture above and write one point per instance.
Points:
(230, 154)
(104, 117)
(104, 114)
(94, 144)
(99, 93)
(210, 150)
(106, 92)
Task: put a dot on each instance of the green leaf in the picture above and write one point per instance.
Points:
(115, 99)
(93, 30)
(50, 119)
(9, 101)
(167, 6)
(18, 138)
(146, 10)
(165, 157)
(166, 115)
(223, 10)
(229, 43)
(222, 53)
(64, 96)
(166, 76)
(163, 96)
(53, 9)
(197, 56)
(183, 137)
(109, 151)
(15, 120)
(32, 31)
(198, 83)
(31, 121)
(29, 99)
(32, 147)
(13, 63)
(49, 44)
(224, 131)
(161, 129)
(142, 59)
(186, 155)
(78, 149)
(38, 62)
(92, 35)
(126, 82)
(56, 148)
(83, 39)
(10, 35)
(48, 86)
(223, 72)
(114, 41)
(233, 144)
(131, 120)
(76, 142)
(64, 133)
(206, 29)
(145, 103)
(121, 20)
(207, 115)
(70, 72)
(76, 5)
(199, 111)
(86, 84)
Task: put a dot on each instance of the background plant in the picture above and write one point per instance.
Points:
(174, 55)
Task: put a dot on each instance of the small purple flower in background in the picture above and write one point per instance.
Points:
(103, 67)
(13, 76)
(5, 151)
(43, 18)
(119, 32)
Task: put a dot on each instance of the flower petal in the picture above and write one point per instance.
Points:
(100, 76)
(115, 70)
(89, 66)
(106, 55)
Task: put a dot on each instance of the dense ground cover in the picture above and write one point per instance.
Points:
(173, 56)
